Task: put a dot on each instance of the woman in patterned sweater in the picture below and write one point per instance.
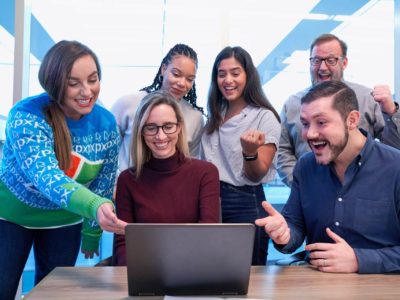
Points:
(58, 169)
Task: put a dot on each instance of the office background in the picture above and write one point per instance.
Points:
(131, 37)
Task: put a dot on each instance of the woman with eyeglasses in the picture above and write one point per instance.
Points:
(166, 185)
(176, 75)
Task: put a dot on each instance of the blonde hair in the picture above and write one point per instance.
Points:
(140, 153)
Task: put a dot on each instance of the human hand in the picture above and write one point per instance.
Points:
(275, 225)
(383, 95)
(90, 254)
(108, 221)
(251, 140)
(338, 257)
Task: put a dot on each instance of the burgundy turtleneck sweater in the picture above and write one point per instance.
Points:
(171, 190)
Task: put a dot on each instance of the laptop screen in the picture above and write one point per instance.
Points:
(188, 259)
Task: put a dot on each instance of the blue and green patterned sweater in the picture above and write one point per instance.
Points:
(35, 192)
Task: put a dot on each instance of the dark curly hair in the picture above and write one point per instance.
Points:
(178, 49)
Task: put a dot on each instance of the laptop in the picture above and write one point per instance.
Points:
(188, 259)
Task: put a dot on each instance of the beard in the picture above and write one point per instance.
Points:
(318, 77)
(335, 149)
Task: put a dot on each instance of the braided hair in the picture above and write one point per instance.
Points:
(178, 49)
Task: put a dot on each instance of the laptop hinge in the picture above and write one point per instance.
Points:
(146, 294)
(230, 293)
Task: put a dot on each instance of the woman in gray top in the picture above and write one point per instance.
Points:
(176, 75)
(241, 139)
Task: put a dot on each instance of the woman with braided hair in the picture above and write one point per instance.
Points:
(176, 75)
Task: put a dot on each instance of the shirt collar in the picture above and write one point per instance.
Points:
(367, 146)
(244, 112)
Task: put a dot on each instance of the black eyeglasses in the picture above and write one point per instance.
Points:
(152, 129)
(330, 61)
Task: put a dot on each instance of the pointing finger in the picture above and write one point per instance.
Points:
(334, 236)
(269, 208)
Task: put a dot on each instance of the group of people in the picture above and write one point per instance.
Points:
(63, 166)
(222, 186)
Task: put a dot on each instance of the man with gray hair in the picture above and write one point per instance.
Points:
(379, 114)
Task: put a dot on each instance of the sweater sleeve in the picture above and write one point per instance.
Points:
(32, 144)
(391, 132)
(286, 158)
(125, 212)
(124, 110)
(120, 111)
(196, 138)
(103, 185)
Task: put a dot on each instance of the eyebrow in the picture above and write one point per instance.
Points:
(181, 72)
(229, 70)
(176, 69)
(317, 115)
(90, 75)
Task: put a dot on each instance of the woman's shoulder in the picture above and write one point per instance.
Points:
(258, 109)
(127, 175)
(201, 164)
(101, 110)
(262, 113)
(29, 112)
(102, 115)
(32, 104)
(128, 101)
(189, 110)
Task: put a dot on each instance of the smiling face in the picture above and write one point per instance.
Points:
(324, 72)
(324, 130)
(178, 76)
(162, 145)
(83, 88)
(231, 79)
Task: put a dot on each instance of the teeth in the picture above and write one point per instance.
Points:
(83, 101)
(161, 145)
(229, 88)
(319, 143)
(325, 75)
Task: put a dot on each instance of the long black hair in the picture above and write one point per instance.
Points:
(178, 49)
(253, 92)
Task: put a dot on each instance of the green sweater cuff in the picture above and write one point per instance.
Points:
(85, 203)
(90, 236)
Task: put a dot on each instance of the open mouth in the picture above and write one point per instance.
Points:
(324, 77)
(161, 146)
(84, 102)
(318, 146)
(228, 90)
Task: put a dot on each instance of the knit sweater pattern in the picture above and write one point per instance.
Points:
(35, 192)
